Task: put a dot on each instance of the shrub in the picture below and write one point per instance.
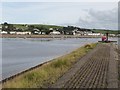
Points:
(88, 46)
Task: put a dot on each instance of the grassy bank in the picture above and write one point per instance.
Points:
(50, 72)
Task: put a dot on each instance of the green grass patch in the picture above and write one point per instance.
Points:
(23, 26)
(20, 26)
(106, 31)
(50, 72)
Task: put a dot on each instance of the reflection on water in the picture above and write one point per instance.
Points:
(19, 54)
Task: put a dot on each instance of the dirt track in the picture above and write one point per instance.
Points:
(98, 69)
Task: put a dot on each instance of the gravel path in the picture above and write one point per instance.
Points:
(98, 69)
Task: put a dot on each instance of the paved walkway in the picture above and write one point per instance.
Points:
(98, 69)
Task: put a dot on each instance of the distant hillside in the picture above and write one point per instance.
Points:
(25, 26)
(48, 28)
(106, 31)
(21, 26)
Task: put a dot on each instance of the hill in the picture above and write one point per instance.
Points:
(106, 31)
(25, 26)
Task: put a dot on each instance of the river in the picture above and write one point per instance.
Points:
(19, 54)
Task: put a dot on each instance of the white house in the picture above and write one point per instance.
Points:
(113, 35)
(27, 33)
(94, 34)
(43, 33)
(37, 32)
(35, 29)
(74, 31)
(13, 32)
(79, 32)
(23, 33)
(55, 33)
(87, 32)
(50, 28)
(19, 33)
(3, 32)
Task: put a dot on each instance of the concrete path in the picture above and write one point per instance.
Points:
(98, 69)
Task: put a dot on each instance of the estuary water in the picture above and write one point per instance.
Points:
(19, 54)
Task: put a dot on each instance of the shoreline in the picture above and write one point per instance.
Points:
(82, 50)
(46, 36)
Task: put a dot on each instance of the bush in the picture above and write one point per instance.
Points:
(88, 46)
(59, 63)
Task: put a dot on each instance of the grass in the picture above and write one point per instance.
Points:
(50, 72)
(22, 26)
(106, 31)
(47, 26)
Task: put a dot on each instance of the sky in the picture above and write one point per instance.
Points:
(102, 15)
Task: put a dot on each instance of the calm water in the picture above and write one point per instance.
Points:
(20, 54)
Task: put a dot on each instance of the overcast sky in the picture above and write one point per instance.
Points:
(103, 15)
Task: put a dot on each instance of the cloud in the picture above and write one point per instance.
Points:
(59, 0)
(87, 15)
(100, 19)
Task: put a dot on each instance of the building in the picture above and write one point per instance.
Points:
(112, 35)
(87, 32)
(35, 29)
(50, 28)
(94, 34)
(55, 32)
(37, 32)
(43, 33)
(81, 32)
(12, 32)
(23, 33)
(3, 32)
(76, 32)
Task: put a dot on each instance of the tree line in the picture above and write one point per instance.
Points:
(42, 28)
